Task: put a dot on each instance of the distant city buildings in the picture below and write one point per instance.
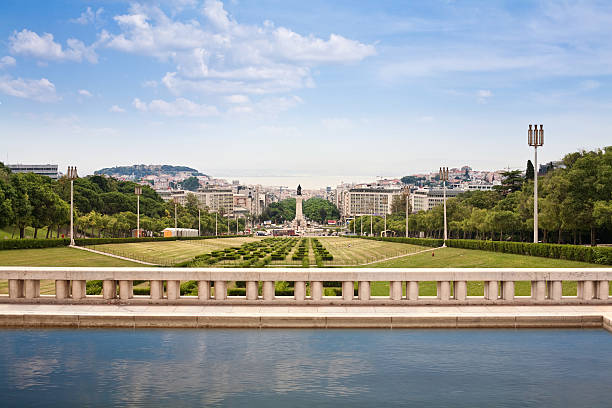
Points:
(49, 170)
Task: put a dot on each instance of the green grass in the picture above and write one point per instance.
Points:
(350, 251)
(54, 257)
(468, 258)
(8, 233)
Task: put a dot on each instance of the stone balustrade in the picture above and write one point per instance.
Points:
(452, 284)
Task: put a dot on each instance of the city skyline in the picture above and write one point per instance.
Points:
(288, 90)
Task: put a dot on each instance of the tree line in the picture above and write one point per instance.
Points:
(316, 209)
(574, 206)
(104, 207)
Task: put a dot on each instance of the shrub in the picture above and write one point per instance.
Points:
(93, 287)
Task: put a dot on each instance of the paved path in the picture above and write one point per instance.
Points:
(113, 255)
(41, 315)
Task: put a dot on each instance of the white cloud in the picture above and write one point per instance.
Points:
(237, 99)
(89, 16)
(149, 84)
(269, 106)
(7, 61)
(44, 47)
(85, 92)
(221, 55)
(116, 109)
(179, 107)
(483, 95)
(337, 123)
(589, 85)
(41, 90)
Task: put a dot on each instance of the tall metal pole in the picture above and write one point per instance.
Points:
(138, 192)
(361, 221)
(371, 219)
(216, 233)
(72, 212)
(444, 178)
(535, 138)
(445, 226)
(72, 174)
(199, 221)
(138, 216)
(535, 194)
(407, 208)
(175, 212)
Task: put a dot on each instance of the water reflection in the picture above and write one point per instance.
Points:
(305, 367)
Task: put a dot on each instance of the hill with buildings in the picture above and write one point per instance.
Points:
(139, 171)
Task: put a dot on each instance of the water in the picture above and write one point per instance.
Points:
(306, 368)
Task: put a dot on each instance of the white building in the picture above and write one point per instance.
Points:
(424, 199)
(366, 201)
(49, 170)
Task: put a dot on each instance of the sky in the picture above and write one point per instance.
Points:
(318, 90)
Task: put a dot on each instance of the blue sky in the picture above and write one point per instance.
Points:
(273, 88)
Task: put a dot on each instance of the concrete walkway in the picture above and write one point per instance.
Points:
(113, 255)
(390, 317)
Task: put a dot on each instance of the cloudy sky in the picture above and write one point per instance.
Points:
(311, 88)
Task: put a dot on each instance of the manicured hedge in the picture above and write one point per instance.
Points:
(51, 243)
(597, 255)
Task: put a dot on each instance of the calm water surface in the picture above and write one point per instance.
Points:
(306, 368)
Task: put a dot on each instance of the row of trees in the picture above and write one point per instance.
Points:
(575, 206)
(315, 209)
(103, 207)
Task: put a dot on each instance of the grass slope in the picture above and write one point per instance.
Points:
(468, 258)
(54, 257)
(170, 252)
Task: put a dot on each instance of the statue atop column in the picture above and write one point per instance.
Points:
(299, 222)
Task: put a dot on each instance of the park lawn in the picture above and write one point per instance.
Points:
(55, 257)
(170, 252)
(351, 251)
(9, 233)
(469, 258)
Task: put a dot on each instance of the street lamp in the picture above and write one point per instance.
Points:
(535, 138)
(138, 192)
(444, 179)
(175, 211)
(71, 174)
(407, 209)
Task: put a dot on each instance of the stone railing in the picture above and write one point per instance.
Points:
(499, 283)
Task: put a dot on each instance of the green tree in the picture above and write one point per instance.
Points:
(529, 172)
(191, 184)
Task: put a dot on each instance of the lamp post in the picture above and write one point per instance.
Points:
(371, 218)
(386, 209)
(407, 210)
(535, 138)
(175, 212)
(138, 192)
(72, 175)
(199, 220)
(216, 233)
(361, 221)
(444, 179)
